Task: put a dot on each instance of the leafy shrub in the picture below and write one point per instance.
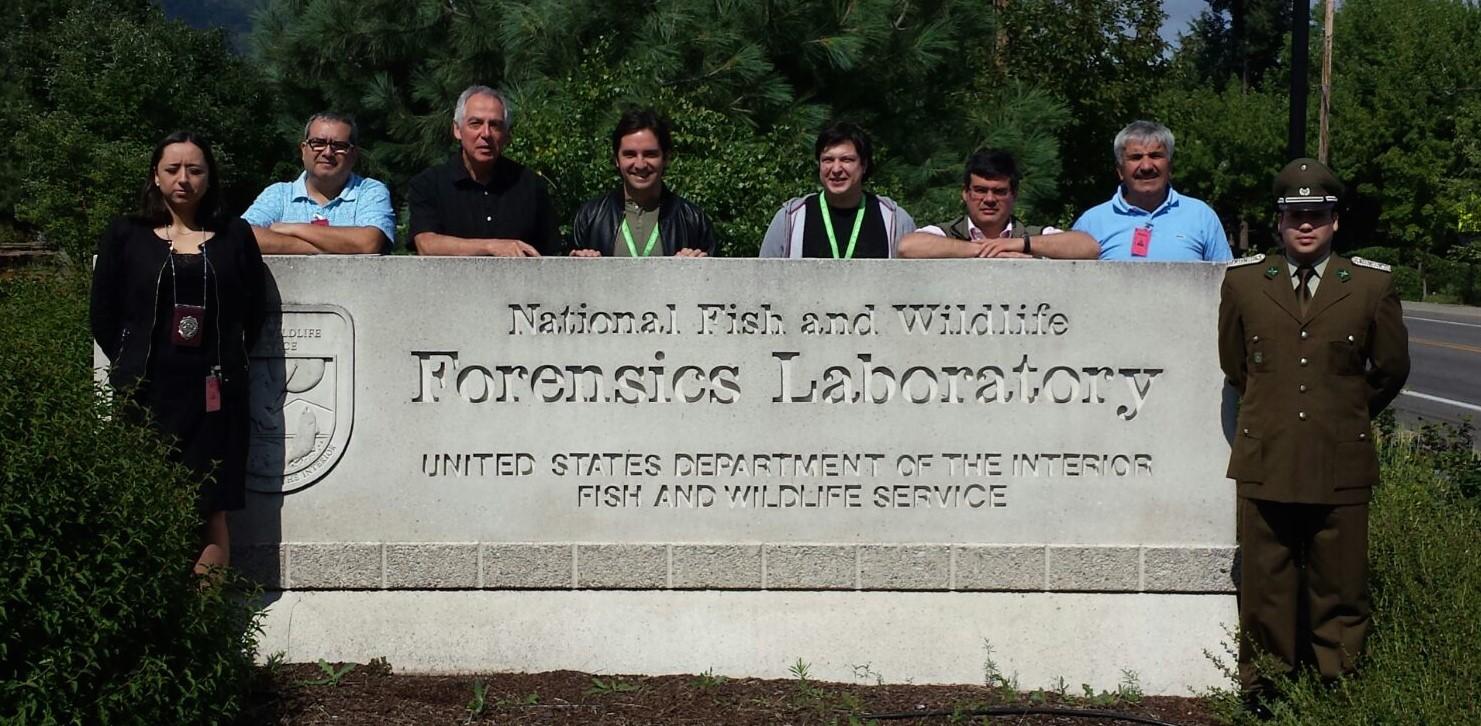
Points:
(1386, 255)
(1423, 661)
(1408, 283)
(107, 82)
(101, 619)
(737, 174)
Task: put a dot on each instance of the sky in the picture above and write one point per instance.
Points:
(1179, 14)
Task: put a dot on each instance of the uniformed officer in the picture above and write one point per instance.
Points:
(1316, 346)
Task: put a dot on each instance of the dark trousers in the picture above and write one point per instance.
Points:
(1303, 586)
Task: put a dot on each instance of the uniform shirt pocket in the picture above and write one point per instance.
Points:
(1356, 464)
(1247, 460)
(1344, 357)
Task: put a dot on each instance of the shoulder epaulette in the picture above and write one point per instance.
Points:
(1241, 262)
(1370, 264)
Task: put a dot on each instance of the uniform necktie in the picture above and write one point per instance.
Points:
(1304, 274)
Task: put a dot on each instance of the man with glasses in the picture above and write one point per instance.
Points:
(328, 208)
(989, 227)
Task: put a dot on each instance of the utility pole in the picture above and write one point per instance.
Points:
(1300, 59)
(1324, 132)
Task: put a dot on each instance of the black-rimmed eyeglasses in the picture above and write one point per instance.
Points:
(338, 147)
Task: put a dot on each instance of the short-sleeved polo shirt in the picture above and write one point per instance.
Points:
(362, 203)
(1183, 229)
(515, 204)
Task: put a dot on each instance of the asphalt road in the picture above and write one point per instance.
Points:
(1445, 373)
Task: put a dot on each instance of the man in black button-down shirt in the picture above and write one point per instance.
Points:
(479, 202)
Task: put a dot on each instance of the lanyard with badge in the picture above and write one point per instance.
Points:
(187, 326)
(1141, 240)
(632, 249)
(853, 237)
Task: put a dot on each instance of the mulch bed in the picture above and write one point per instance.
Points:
(307, 693)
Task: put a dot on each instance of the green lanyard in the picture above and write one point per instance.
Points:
(853, 236)
(627, 234)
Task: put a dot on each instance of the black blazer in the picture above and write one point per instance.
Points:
(680, 224)
(126, 279)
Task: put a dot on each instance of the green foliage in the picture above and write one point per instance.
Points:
(331, 676)
(479, 703)
(1455, 461)
(1419, 275)
(611, 686)
(725, 168)
(1408, 283)
(529, 699)
(1229, 144)
(27, 52)
(101, 618)
(1104, 60)
(106, 85)
(1423, 661)
(747, 84)
(1404, 93)
(708, 680)
(1246, 46)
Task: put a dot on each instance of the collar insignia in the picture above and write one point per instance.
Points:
(1272, 271)
(1344, 275)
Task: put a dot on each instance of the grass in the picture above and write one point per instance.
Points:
(1422, 663)
(611, 686)
(332, 675)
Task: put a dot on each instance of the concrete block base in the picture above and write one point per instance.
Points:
(905, 637)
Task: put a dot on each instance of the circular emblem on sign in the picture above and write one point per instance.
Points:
(302, 397)
(189, 326)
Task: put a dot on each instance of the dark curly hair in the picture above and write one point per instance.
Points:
(634, 120)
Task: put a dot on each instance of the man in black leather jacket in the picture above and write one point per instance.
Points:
(642, 218)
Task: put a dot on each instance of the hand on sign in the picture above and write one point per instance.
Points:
(1001, 247)
(510, 248)
(689, 252)
(585, 253)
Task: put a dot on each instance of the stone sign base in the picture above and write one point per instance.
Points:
(644, 466)
(897, 637)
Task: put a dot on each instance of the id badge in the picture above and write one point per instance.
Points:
(1141, 239)
(213, 393)
(188, 325)
(320, 221)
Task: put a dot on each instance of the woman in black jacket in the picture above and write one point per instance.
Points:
(176, 305)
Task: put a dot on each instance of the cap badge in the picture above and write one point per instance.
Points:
(1272, 271)
(1305, 191)
(1303, 167)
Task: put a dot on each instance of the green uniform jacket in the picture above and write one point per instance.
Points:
(1310, 385)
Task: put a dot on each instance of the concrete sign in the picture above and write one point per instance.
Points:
(1008, 437)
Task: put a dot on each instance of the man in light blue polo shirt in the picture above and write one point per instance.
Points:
(1146, 219)
(328, 208)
